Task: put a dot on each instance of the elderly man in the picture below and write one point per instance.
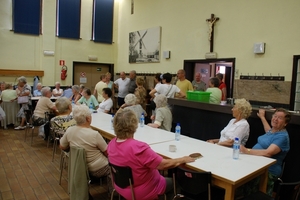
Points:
(132, 83)
(122, 85)
(198, 84)
(37, 92)
(163, 115)
(99, 87)
(182, 83)
(43, 105)
(57, 91)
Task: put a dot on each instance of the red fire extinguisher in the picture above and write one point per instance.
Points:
(63, 73)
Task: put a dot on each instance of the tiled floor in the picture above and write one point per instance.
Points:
(27, 172)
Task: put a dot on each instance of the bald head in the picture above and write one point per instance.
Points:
(181, 74)
(198, 77)
(122, 75)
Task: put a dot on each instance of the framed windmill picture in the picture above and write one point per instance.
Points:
(144, 45)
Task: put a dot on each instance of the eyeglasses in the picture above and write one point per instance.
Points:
(277, 117)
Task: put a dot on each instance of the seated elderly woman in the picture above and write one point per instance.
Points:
(124, 150)
(216, 93)
(107, 102)
(63, 120)
(57, 91)
(88, 99)
(82, 135)
(130, 104)
(76, 94)
(38, 91)
(43, 105)
(163, 115)
(237, 127)
(275, 143)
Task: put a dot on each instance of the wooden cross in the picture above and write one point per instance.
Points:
(211, 23)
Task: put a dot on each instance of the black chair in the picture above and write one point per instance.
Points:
(196, 185)
(122, 177)
(285, 191)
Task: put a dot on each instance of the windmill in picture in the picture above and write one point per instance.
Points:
(143, 46)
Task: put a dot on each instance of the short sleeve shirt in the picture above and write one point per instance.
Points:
(92, 100)
(43, 105)
(123, 86)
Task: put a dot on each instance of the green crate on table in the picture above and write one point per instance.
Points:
(198, 96)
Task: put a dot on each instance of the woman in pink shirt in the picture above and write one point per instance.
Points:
(124, 150)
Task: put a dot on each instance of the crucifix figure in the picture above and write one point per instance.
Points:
(211, 22)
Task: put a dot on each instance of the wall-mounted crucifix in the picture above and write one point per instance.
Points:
(211, 22)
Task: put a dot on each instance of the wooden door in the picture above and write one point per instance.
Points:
(92, 73)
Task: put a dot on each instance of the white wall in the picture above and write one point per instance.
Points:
(242, 23)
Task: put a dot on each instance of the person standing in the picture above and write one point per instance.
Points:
(99, 87)
(198, 84)
(23, 90)
(216, 93)
(132, 83)
(140, 93)
(122, 85)
(57, 91)
(222, 86)
(182, 83)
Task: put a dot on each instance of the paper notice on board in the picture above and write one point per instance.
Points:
(83, 80)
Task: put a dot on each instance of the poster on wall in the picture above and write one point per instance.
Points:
(144, 45)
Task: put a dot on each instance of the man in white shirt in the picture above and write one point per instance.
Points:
(122, 85)
(99, 87)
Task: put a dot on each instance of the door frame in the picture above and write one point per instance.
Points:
(189, 66)
(109, 65)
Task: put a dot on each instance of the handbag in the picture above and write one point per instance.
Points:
(23, 99)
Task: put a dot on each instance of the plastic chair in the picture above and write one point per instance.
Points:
(64, 156)
(122, 177)
(193, 183)
(285, 191)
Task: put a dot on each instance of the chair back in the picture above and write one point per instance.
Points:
(122, 176)
(193, 182)
(288, 191)
(28, 116)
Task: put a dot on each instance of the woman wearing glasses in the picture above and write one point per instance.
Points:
(275, 143)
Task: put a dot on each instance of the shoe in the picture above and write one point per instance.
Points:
(20, 128)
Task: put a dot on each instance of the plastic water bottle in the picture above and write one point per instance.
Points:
(177, 132)
(73, 103)
(91, 107)
(236, 148)
(142, 120)
(112, 122)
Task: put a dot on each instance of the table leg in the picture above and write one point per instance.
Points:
(263, 181)
(229, 188)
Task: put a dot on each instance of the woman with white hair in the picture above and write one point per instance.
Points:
(23, 90)
(43, 105)
(57, 91)
(63, 120)
(82, 135)
(130, 104)
(163, 115)
(76, 93)
(38, 92)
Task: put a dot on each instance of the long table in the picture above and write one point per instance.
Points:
(226, 172)
(102, 123)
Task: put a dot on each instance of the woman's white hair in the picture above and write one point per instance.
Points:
(44, 90)
(62, 104)
(80, 113)
(160, 100)
(130, 99)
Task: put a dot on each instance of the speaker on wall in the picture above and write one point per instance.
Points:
(167, 54)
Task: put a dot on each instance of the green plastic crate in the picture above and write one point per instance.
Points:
(198, 96)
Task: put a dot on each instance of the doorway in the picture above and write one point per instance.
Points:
(209, 68)
(88, 74)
